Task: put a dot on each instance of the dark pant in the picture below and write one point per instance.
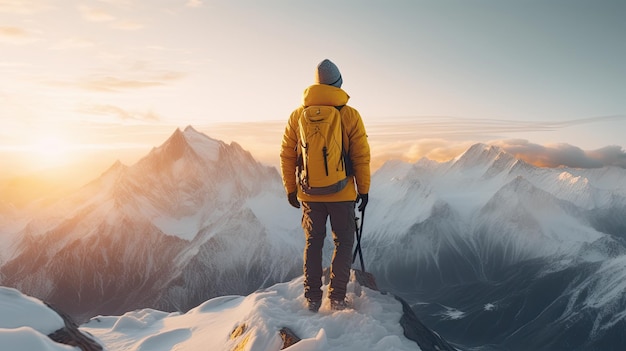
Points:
(314, 216)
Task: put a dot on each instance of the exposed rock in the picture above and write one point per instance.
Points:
(418, 332)
(288, 336)
(238, 332)
(71, 335)
(365, 279)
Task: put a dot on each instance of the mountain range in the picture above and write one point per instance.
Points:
(492, 252)
(187, 222)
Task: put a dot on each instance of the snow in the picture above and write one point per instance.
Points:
(18, 310)
(451, 313)
(25, 338)
(489, 307)
(372, 323)
(534, 211)
(207, 148)
(25, 323)
(185, 228)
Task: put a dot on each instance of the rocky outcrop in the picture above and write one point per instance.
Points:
(288, 336)
(413, 328)
(71, 335)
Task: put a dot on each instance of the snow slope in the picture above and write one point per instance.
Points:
(372, 324)
(25, 323)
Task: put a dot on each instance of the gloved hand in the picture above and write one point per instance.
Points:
(293, 199)
(362, 198)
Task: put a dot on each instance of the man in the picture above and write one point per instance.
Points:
(339, 206)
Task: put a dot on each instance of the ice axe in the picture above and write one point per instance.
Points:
(363, 277)
(359, 233)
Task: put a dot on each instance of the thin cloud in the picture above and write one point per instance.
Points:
(16, 35)
(456, 128)
(111, 83)
(24, 7)
(443, 138)
(119, 113)
(95, 14)
(13, 32)
(127, 25)
(115, 84)
(439, 150)
(194, 3)
(119, 3)
(550, 156)
(74, 43)
(564, 155)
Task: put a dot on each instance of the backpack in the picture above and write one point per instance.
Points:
(322, 159)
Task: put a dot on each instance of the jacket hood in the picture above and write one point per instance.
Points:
(326, 95)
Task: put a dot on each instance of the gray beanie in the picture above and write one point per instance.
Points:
(328, 73)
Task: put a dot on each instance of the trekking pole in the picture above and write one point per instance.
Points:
(359, 233)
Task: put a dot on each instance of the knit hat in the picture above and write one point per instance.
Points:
(328, 73)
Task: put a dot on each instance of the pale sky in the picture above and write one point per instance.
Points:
(110, 79)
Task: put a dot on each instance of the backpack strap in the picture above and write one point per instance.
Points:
(346, 153)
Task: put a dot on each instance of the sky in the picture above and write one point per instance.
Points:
(91, 82)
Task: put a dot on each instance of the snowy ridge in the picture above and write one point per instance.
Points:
(224, 323)
(371, 325)
(478, 188)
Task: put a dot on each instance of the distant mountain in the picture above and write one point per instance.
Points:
(492, 252)
(195, 218)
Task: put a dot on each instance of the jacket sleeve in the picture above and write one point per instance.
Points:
(359, 151)
(289, 154)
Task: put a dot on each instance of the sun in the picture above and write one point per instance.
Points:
(50, 145)
(51, 150)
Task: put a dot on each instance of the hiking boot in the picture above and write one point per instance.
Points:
(314, 306)
(338, 305)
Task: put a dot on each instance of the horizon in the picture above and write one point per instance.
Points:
(56, 182)
(262, 139)
(93, 83)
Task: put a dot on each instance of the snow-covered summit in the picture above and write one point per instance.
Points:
(271, 319)
(254, 322)
(188, 143)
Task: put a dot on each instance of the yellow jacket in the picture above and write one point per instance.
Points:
(354, 137)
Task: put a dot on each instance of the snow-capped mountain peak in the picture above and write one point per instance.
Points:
(190, 144)
(478, 153)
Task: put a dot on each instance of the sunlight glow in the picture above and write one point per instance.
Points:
(51, 146)
(51, 150)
